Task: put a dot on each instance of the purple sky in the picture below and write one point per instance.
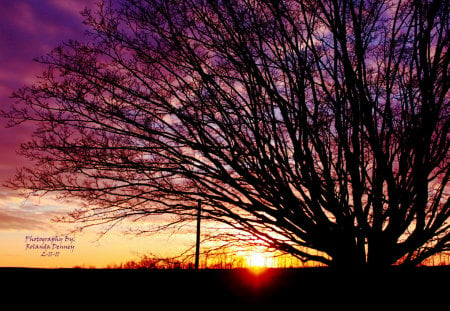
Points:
(28, 29)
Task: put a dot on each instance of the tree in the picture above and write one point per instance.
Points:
(319, 128)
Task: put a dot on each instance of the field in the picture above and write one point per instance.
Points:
(298, 289)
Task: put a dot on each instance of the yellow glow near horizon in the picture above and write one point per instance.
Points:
(259, 260)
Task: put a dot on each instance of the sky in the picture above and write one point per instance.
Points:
(28, 237)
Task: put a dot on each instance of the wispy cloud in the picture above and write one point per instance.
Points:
(31, 213)
(23, 220)
(29, 29)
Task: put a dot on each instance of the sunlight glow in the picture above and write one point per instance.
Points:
(259, 260)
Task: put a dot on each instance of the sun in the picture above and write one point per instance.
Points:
(257, 260)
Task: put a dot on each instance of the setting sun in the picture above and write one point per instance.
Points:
(258, 260)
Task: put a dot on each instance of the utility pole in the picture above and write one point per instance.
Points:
(197, 244)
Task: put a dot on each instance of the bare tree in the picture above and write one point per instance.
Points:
(318, 128)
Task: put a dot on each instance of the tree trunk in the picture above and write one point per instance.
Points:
(347, 253)
(379, 254)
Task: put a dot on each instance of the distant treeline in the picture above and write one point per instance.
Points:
(150, 262)
(224, 261)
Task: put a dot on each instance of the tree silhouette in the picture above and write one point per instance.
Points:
(318, 128)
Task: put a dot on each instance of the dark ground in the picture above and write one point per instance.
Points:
(273, 289)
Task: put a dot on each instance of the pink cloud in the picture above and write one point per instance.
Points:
(29, 29)
(23, 220)
(73, 6)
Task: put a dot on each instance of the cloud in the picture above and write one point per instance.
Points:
(23, 220)
(73, 6)
(33, 212)
(29, 29)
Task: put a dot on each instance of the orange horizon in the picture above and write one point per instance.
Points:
(116, 251)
